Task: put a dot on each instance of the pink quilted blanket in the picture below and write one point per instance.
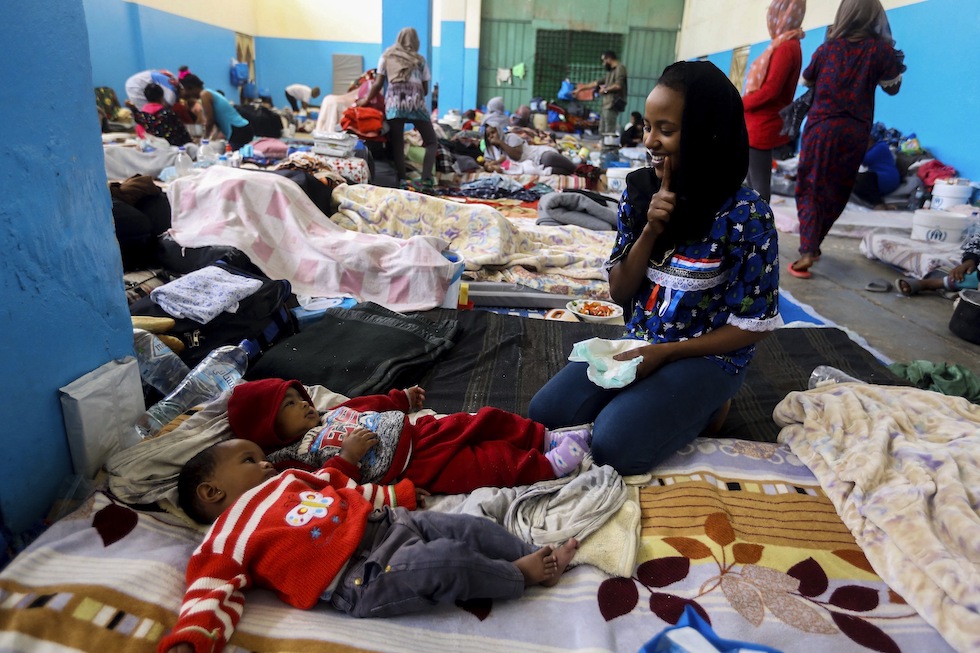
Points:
(278, 227)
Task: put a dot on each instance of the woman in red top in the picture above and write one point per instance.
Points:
(770, 86)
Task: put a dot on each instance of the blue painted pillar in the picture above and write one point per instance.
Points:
(63, 311)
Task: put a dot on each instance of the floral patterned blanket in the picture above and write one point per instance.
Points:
(563, 260)
(902, 467)
(741, 531)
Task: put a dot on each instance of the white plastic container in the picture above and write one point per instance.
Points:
(939, 226)
(945, 195)
(616, 179)
(452, 295)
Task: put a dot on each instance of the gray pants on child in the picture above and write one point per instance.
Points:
(410, 561)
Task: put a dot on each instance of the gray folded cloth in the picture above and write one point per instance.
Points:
(557, 209)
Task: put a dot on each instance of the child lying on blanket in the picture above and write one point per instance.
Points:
(313, 537)
(371, 439)
(963, 276)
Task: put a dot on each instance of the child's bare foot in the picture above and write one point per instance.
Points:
(563, 555)
(546, 565)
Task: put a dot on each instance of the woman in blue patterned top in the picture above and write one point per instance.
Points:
(695, 266)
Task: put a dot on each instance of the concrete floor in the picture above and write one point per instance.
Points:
(901, 328)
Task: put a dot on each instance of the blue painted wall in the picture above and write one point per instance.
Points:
(940, 96)
(62, 308)
(281, 62)
(127, 38)
(448, 67)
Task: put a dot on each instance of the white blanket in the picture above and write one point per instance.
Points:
(902, 466)
(271, 220)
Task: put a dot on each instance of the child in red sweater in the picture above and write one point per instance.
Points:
(318, 536)
(371, 439)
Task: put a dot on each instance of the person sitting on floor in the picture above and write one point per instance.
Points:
(508, 153)
(313, 537)
(159, 119)
(878, 175)
(370, 438)
(962, 277)
(221, 119)
(632, 136)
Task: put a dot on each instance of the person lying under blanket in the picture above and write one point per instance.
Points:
(505, 152)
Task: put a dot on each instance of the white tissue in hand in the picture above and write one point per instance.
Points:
(604, 370)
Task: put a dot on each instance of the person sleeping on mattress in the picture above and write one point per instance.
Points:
(508, 153)
(319, 536)
(371, 439)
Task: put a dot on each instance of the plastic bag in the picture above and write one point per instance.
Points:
(604, 370)
(567, 90)
(99, 411)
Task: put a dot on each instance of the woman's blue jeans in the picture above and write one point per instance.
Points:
(636, 427)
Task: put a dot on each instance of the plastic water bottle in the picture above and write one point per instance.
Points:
(183, 165)
(221, 370)
(159, 366)
(206, 156)
(223, 161)
(234, 156)
(826, 375)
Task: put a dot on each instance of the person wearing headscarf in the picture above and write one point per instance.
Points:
(508, 152)
(858, 56)
(695, 268)
(770, 86)
(407, 76)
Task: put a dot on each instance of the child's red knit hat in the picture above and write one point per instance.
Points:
(252, 410)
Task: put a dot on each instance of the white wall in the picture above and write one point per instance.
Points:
(711, 26)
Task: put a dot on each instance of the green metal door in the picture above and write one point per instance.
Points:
(503, 45)
(647, 53)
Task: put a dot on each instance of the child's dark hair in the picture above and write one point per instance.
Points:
(153, 93)
(191, 81)
(636, 116)
(195, 471)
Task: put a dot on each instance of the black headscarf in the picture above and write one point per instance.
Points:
(714, 150)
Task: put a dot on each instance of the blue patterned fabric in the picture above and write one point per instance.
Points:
(730, 276)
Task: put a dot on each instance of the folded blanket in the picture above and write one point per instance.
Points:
(902, 467)
(204, 294)
(576, 209)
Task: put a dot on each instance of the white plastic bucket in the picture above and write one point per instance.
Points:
(616, 179)
(946, 196)
(939, 226)
(452, 295)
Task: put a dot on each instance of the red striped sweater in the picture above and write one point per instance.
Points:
(292, 534)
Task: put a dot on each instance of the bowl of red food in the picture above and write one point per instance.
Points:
(595, 310)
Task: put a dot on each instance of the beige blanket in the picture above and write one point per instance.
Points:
(902, 466)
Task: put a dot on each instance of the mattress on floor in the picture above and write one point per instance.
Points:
(914, 258)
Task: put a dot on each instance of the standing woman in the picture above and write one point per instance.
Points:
(858, 55)
(770, 86)
(695, 265)
(408, 79)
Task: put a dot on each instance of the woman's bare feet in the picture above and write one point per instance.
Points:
(546, 565)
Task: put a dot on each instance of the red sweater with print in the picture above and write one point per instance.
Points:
(292, 535)
(762, 106)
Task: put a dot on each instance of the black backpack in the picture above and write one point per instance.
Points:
(263, 317)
